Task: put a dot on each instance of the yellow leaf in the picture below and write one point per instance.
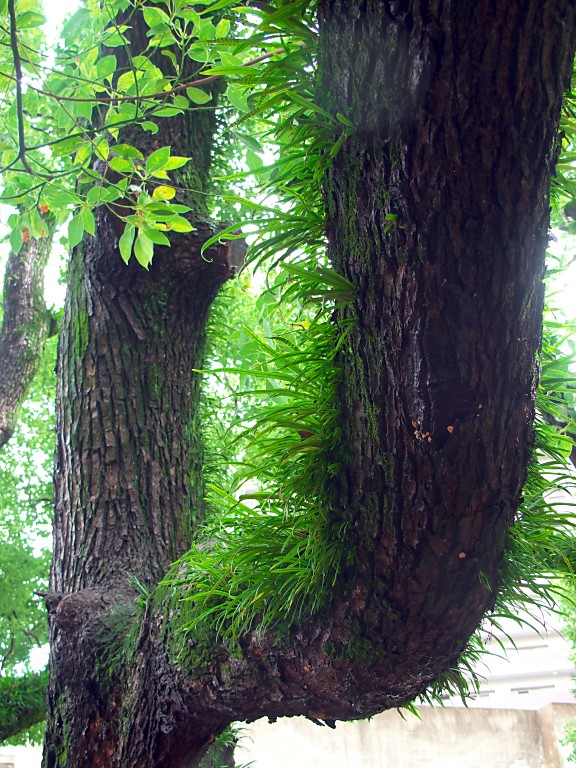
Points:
(163, 193)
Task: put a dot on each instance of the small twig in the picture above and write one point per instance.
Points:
(34, 637)
(7, 654)
(18, 79)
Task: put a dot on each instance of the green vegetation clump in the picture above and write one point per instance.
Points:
(271, 549)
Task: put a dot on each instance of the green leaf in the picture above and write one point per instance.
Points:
(113, 38)
(75, 231)
(155, 16)
(126, 81)
(143, 249)
(148, 125)
(198, 52)
(190, 15)
(8, 156)
(109, 194)
(122, 165)
(127, 150)
(164, 192)
(176, 162)
(237, 97)
(106, 67)
(197, 95)
(125, 242)
(253, 160)
(83, 154)
(250, 142)
(67, 147)
(88, 221)
(29, 20)
(156, 236)
(170, 55)
(180, 224)
(344, 120)
(167, 112)
(60, 198)
(222, 28)
(229, 60)
(102, 150)
(94, 195)
(206, 30)
(37, 225)
(16, 239)
(217, 5)
(180, 101)
(163, 39)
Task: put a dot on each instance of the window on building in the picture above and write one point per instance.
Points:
(531, 688)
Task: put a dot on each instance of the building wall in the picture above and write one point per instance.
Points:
(526, 669)
(20, 757)
(443, 738)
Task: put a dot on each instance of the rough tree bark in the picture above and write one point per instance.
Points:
(457, 105)
(25, 325)
(128, 470)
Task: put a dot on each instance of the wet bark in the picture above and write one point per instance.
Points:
(457, 106)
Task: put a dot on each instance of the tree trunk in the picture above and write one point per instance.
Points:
(129, 487)
(457, 106)
(128, 474)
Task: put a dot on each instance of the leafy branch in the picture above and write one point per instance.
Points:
(138, 97)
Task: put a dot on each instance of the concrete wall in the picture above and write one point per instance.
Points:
(443, 738)
(21, 757)
(453, 737)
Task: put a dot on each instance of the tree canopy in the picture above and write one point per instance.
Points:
(319, 527)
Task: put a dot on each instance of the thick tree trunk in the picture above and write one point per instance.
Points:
(456, 106)
(129, 488)
(128, 474)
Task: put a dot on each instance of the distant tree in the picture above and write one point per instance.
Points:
(396, 429)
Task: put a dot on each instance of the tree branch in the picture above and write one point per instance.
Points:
(199, 81)
(22, 703)
(25, 325)
(18, 79)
